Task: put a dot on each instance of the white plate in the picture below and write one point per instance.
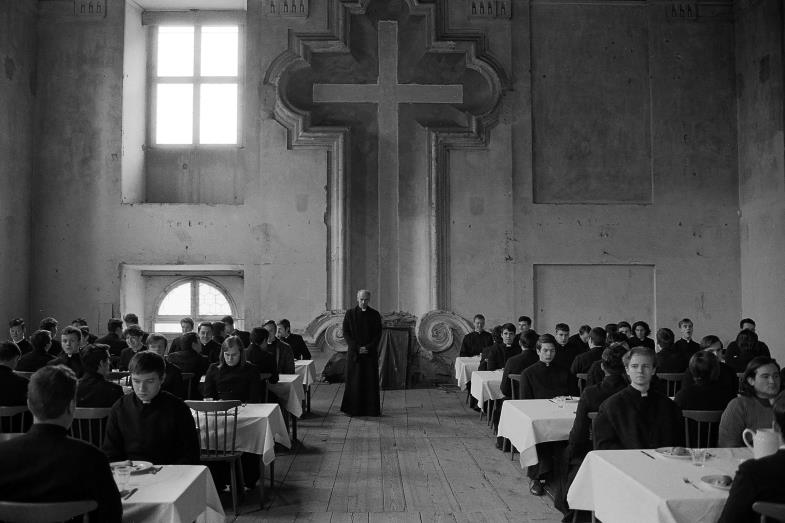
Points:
(718, 481)
(136, 466)
(668, 453)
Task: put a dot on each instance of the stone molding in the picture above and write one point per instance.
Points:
(439, 330)
(336, 139)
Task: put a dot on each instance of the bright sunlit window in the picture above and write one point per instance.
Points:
(197, 298)
(196, 84)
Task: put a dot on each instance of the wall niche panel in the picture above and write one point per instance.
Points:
(591, 103)
(593, 295)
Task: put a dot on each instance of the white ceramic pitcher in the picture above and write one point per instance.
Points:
(765, 442)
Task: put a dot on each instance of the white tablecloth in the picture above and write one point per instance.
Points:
(486, 386)
(307, 370)
(176, 494)
(626, 485)
(528, 422)
(259, 426)
(464, 368)
(290, 391)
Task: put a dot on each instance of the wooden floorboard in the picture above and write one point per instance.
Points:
(427, 459)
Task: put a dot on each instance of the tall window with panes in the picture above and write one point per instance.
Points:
(195, 85)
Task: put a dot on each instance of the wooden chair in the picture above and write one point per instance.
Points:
(217, 425)
(188, 378)
(24, 374)
(775, 511)
(592, 416)
(672, 382)
(13, 512)
(90, 424)
(583, 378)
(706, 423)
(491, 405)
(14, 419)
(7, 436)
(515, 385)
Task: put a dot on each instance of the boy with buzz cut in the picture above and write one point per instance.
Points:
(566, 352)
(686, 345)
(16, 329)
(70, 357)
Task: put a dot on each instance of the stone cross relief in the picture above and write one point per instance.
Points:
(388, 90)
(387, 93)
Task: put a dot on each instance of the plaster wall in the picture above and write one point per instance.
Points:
(759, 66)
(83, 230)
(686, 235)
(683, 226)
(17, 107)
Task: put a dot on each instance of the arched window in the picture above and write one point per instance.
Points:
(198, 298)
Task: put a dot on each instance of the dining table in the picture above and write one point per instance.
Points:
(529, 422)
(306, 369)
(486, 386)
(649, 486)
(172, 494)
(290, 393)
(464, 366)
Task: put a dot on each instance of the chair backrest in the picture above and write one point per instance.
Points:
(13, 512)
(583, 377)
(775, 511)
(24, 374)
(591, 415)
(188, 378)
(701, 427)
(515, 385)
(217, 423)
(672, 381)
(7, 436)
(90, 424)
(14, 419)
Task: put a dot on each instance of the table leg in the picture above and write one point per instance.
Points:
(272, 474)
(308, 398)
(294, 428)
(261, 481)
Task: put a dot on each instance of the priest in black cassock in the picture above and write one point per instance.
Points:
(362, 330)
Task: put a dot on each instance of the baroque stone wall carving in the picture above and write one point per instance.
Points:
(480, 116)
(439, 331)
(326, 332)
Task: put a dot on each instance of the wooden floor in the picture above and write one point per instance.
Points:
(427, 459)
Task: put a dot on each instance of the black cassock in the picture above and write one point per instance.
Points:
(361, 393)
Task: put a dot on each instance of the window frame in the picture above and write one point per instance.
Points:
(194, 313)
(197, 19)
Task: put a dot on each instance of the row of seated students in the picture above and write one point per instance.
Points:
(147, 424)
(632, 405)
(272, 348)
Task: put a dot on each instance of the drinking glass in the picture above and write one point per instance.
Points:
(698, 457)
(560, 400)
(122, 476)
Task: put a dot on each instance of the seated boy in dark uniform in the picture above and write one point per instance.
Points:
(93, 390)
(45, 465)
(151, 424)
